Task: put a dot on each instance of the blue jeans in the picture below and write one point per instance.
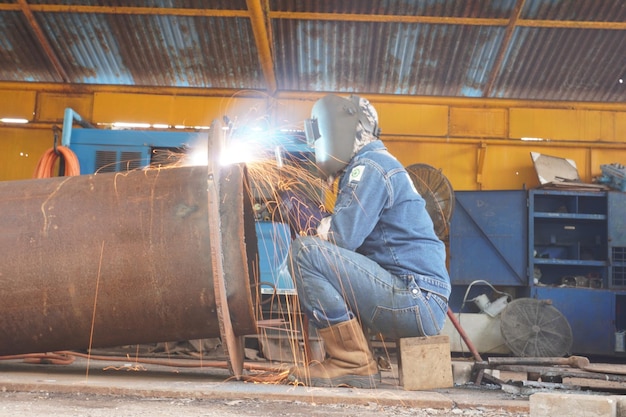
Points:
(336, 284)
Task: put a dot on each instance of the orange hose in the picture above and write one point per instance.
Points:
(45, 166)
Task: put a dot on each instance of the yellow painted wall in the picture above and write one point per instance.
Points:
(475, 142)
(21, 149)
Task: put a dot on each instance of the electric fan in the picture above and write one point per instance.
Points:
(436, 190)
(534, 328)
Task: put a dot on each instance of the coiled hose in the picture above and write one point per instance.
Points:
(46, 165)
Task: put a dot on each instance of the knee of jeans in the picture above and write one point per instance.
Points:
(304, 250)
(299, 245)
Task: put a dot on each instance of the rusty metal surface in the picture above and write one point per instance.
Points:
(239, 238)
(233, 346)
(109, 260)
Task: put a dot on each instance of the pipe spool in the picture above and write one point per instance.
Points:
(114, 259)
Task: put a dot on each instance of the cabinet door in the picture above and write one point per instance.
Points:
(617, 218)
(488, 237)
(617, 239)
(590, 313)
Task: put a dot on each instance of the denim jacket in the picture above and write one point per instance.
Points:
(378, 213)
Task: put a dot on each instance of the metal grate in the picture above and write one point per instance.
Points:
(618, 277)
(106, 161)
(130, 161)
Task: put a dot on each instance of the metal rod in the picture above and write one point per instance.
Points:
(464, 336)
(43, 41)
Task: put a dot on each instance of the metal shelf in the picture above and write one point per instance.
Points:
(574, 216)
(575, 262)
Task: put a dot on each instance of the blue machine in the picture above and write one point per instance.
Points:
(107, 150)
(614, 175)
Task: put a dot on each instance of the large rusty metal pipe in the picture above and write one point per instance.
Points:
(123, 258)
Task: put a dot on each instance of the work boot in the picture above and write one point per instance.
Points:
(349, 360)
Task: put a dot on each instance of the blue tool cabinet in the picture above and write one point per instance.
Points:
(565, 246)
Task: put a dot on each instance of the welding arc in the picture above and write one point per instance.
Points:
(46, 165)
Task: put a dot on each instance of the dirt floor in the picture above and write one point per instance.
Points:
(123, 386)
(99, 388)
(36, 404)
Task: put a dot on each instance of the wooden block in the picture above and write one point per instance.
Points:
(424, 363)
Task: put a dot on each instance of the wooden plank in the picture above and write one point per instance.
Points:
(425, 363)
(607, 368)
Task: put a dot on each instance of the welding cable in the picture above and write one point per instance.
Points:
(46, 165)
(59, 358)
(67, 357)
(177, 363)
(265, 374)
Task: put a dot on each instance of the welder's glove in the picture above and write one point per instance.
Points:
(323, 228)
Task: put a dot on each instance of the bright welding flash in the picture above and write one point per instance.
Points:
(235, 153)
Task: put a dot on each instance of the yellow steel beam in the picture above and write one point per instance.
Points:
(571, 24)
(263, 39)
(159, 11)
(504, 46)
(93, 88)
(387, 18)
(508, 142)
(433, 20)
(43, 41)
(17, 104)
(352, 17)
(463, 101)
(312, 96)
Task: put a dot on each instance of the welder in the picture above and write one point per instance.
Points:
(375, 262)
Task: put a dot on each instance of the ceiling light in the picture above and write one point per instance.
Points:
(12, 120)
(125, 125)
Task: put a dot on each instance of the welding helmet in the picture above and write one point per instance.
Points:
(337, 129)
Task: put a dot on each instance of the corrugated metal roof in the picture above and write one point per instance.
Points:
(516, 49)
(147, 50)
(430, 60)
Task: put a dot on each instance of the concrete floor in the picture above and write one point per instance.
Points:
(133, 380)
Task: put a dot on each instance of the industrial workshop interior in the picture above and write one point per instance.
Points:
(146, 148)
